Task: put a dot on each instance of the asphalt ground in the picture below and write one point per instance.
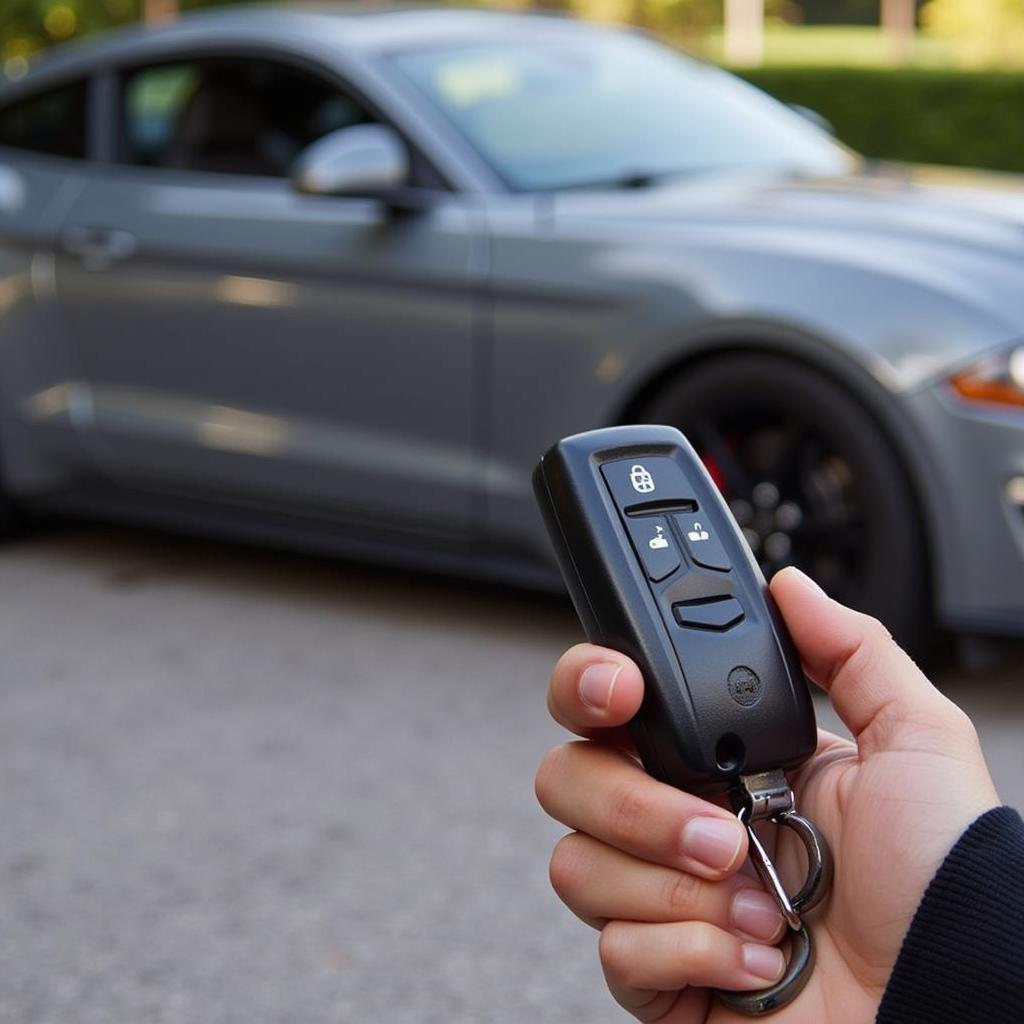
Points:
(245, 786)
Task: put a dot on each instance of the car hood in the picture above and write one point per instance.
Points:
(910, 241)
(944, 201)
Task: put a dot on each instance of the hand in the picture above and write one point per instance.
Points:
(657, 870)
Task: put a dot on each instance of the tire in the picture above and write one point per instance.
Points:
(812, 478)
(13, 520)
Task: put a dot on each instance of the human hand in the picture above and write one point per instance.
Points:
(657, 870)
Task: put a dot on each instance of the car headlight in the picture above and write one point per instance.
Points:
(998, 379)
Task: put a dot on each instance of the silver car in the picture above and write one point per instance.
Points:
(338, 279)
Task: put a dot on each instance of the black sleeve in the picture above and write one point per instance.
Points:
(962, 961)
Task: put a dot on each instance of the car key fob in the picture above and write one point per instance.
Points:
(658, 569)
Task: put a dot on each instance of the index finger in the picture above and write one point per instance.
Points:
(595, 690)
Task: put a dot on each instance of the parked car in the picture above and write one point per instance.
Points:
(338, 279)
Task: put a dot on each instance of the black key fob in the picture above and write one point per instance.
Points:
(658, 569)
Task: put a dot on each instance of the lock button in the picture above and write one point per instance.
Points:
(644, 481)
(655, 545)
(702, 544)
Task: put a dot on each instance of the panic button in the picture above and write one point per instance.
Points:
(655, 545)
(704, 547)
(641, 481)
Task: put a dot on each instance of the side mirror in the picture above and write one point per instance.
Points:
(364, 160)
(812, 115)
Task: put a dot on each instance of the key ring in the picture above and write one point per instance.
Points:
(766, 796)
(786, 989)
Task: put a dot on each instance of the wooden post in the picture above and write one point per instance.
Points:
(898, 22)
(154, 11)
(744, 32)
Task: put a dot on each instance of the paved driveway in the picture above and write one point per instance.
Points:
(251, 787)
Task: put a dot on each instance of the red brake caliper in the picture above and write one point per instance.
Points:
(714, 470)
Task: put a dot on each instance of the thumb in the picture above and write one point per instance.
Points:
(874, 685)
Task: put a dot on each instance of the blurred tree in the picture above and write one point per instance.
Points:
(27, 26)
(988, 32)
(683, 21)
(843, 12)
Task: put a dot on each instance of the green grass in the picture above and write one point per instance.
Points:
(836, 46)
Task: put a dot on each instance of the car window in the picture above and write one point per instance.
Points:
(602, 110)
(231, 116)
(49, 122)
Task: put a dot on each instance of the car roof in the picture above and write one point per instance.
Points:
(361, 29)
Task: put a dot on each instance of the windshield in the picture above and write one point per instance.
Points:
(597, 109)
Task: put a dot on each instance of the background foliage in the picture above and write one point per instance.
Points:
(981, 32)
(27, 26)
(959, 103)
(944, 117)
(987, 32)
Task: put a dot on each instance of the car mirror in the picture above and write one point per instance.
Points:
(364, 160)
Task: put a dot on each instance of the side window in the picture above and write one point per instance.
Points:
(50, 122)
(230, 116)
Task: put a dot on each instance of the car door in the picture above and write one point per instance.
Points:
(43, 155)
(244, 342)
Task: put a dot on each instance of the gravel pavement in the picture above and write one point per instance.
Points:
(241, 786)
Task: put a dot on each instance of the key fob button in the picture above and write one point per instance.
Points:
(641, 481)
(703, 545)
(655, 545)
(718, 613)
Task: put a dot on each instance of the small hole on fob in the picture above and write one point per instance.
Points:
(730, 753)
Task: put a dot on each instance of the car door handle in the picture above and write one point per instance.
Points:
(98, 248)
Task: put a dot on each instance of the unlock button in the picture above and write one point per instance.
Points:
(702, 544)
(655, 545)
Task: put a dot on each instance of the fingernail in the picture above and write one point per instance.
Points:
(715, 842)
(755, 913)
(805, 580)
(597, 683)
(764, 962)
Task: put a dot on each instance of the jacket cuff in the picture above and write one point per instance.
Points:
(960, 962)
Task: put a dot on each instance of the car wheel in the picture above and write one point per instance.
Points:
(12, 518)
(812, 480)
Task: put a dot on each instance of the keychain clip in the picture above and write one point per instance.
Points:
(766, 796)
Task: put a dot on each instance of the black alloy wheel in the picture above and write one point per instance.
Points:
(811, 479)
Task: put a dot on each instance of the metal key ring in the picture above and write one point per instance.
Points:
(766, 796)
(786, 989)
(819, 861)
(819, 866)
